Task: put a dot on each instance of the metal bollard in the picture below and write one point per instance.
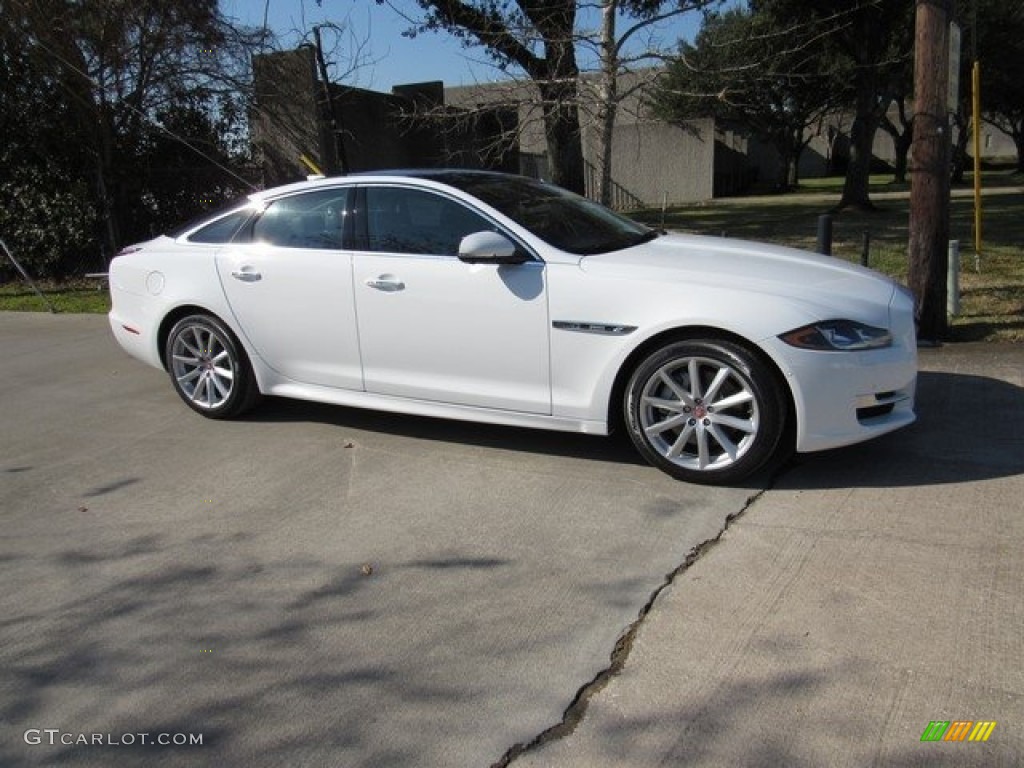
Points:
(825, 234)
(953, 280)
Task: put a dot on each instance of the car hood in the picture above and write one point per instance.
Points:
(742, 265)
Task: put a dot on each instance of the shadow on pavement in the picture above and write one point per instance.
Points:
(969, 428)
(616, 448)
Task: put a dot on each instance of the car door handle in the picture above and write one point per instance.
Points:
(387, 284)
(246, 275)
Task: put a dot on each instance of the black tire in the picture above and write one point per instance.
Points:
(706, 411)
(209, 369)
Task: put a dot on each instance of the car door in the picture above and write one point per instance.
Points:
(432, 327)
(289, 284)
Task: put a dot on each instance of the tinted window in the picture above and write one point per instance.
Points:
(416, 221)
(560, 218)
(221, 230)
(311, 220)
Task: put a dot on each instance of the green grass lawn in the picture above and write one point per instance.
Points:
(75, 296)
(992, 298)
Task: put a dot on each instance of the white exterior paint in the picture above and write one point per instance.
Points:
(434, 336)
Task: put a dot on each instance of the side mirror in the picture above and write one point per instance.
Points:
(489, 248)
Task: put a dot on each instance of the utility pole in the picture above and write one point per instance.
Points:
(334, 152)
(929, 167)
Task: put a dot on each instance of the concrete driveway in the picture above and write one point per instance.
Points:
(325, 587)
(866, 611)
(308, 586)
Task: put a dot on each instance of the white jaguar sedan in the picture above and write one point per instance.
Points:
(501, 299)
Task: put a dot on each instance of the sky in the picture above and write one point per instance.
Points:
(371, 51)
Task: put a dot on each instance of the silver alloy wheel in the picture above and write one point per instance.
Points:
(203, 366)
(699, 413)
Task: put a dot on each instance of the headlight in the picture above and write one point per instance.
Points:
(838, 336)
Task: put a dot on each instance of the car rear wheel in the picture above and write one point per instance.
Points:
(208, 368)
(705, 411)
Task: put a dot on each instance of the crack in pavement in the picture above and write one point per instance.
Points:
(577, 709)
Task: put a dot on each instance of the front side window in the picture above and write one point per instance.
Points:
(416, 221)
(310, 220)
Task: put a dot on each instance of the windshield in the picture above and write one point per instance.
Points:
(559, 218)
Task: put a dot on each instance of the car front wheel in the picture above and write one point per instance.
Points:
(208, 368)
(705, 411)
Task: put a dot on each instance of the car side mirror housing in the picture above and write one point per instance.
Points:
(489, 248)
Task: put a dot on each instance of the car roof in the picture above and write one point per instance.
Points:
(451, 177)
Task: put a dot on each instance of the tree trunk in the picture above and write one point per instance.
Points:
(862, 137)
(901, 141)
(608, 100)
(870, 109)
(562, 132)
(902, 147)
(958, 159)
(798, 152)
(787, 171)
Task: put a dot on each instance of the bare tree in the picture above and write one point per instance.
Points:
(545, 41)
(624, 68)
(538, 38)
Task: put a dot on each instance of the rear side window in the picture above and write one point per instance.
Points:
(309, 220)
(221, 230)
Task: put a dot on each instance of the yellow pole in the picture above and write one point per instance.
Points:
(313, 167)
(976, 83)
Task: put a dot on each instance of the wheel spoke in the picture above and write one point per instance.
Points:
(677, 447)
(670, 423)
(742, 425)
(703, 453)
(733, 400)
(199, 392)
(193, 351)
(716, 384)
(219, 385)
(694, 371)
(665, 405)
(190, 376)
(720, 437)
(678, 391)
(197, 340)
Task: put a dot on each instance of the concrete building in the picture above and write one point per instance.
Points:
(499, 126)
(496, 126)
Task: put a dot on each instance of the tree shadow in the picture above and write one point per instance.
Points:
(146, 643)
(765, 716)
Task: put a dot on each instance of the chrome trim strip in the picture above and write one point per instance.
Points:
(601, 329)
